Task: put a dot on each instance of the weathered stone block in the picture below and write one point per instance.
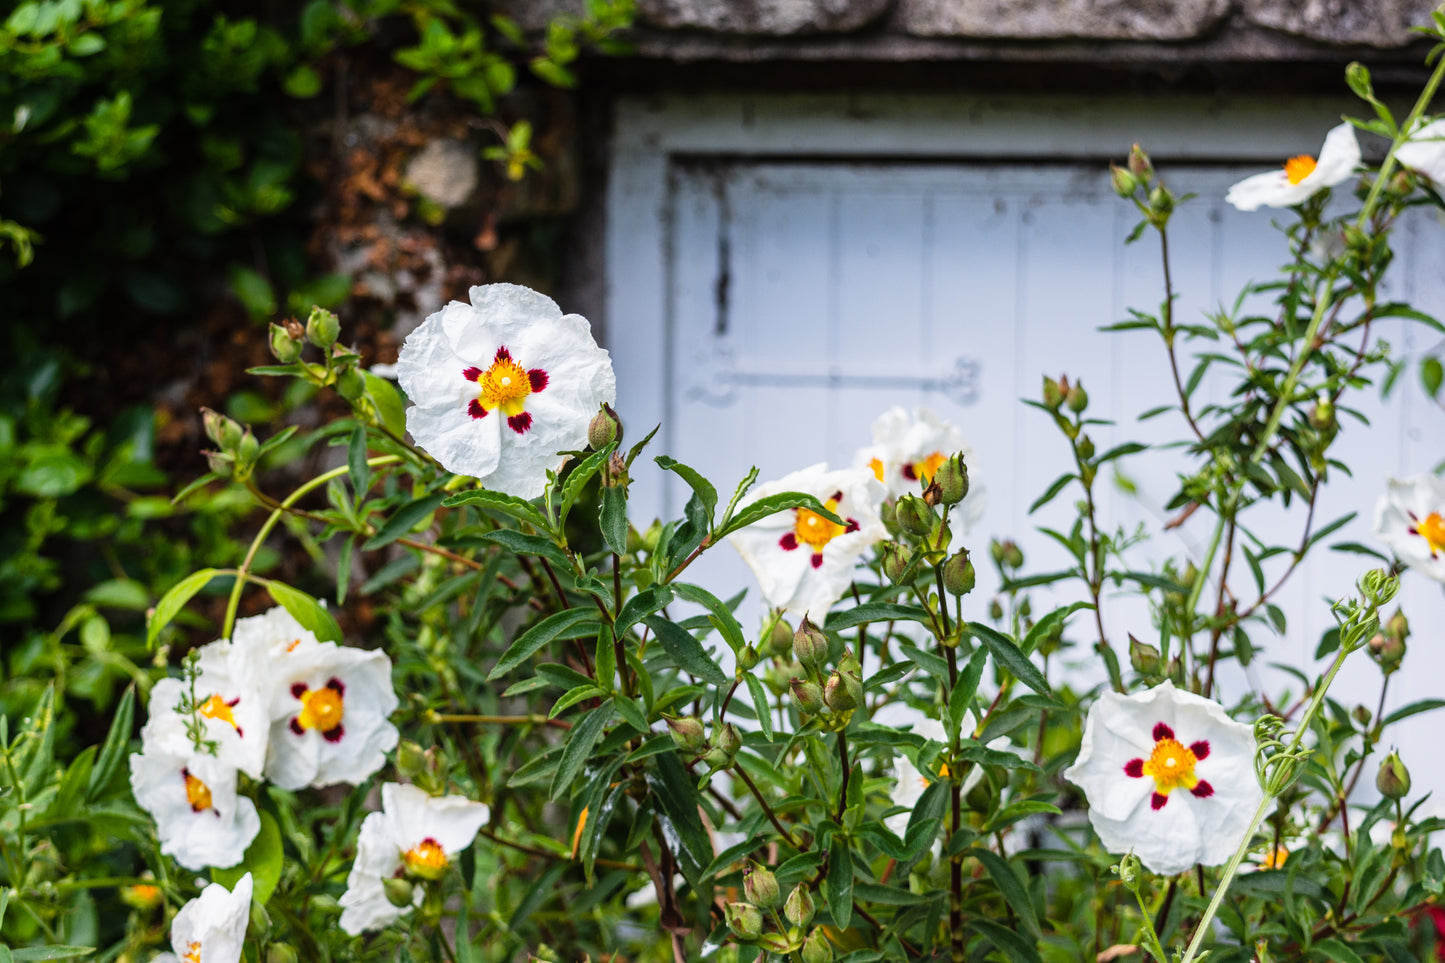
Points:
(1061, 19)
(1379, 23)
(761, 17)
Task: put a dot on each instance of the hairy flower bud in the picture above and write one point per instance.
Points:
(1053, 393)
(893, 558)
(915, 516)
(745, 920)
(816, 948)
(1013, 556)
(1139, 164)
(749, 657)
(220, 463)
(1143, 657)
(1124, 183)
(1077, 399)
(995, 609)
(1388, 651)
(1393, 779)
(281, 953)
(760, 886)
(322, 328)
(1161, 200)
(399, 891)
(810, 645)
(1131, 872)
(952, 480)
(687, 733)
(726, 738)
(1357, 76)
(350, 384)
(605, 428)
(839, 692)
(799, 908)
(1322, 415)
(411, 759)
(225, 432)
(808, 696)
(888, 515)
(285, 348)
(1085, 447)
(958, 574)
(780, 640)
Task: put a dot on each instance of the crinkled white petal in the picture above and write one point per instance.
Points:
(1420, 496)
(902, 438)
(787, 577)
(307, 758)
(415, 815)
(1337, 161)
(1187, 829)
(217, 836)
(261, 641)
(533, 329)
(1424, 152)
(214, 923)
(242, 744)
(364, 905)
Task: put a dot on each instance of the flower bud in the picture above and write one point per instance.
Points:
(915, 516)
(322, 328)
(399, 891)
(1131, 873)
(1161, 200)
(1322, 414)
(838, 694)
(652, 536)
(799, 908)
(687, 733)
(1398, 626)
(808, 696)
(1362, 715)
(1357, 76)
(1139, 164)
(1393, 779)
(1013, 556)
(1077, 399)
(281, 953)
(285, 348)
(958, 574)
(1124, 183)
(220, 463)
(1143, 657)
(1085, 447)
(411, 759)
(1388, 651)
(952, 480)
(780, 640)
(225, 432)
(888, 515)
(745, 920)
(995, 609)
(761, 887)
(142, 896)
(605, 428)
(717, 759)
(893, 559)
(749, 657)
(726, 738)
(810, 645)
(350, 384)
(816, 948)
(1053, 394)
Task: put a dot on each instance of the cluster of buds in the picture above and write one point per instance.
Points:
(425, 768)
(1137, 181)
(747, 920)
(1387, 647)
(236, 449)
(833, 695)
(689, 735)
(339, 366)
(1060, 394)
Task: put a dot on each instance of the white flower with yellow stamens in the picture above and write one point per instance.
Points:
(503, 384)
(1167, 775)
(1424, 152)
(804, 562)
(265, 640)
(329, 715)
(212, 927)
(200, 819)
(415, 836)
(909, 780)
(908, 447)
(230, 703)
(1301, 177)
(1410, 518)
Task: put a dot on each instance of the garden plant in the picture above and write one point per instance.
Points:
(551, 743)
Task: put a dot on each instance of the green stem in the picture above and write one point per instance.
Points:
(1226, 509)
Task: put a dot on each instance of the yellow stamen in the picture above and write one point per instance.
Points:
(321, 709)
(1298, 168)
(426, 859)
(193, 952)
(198, 794)
(1274, 859)
(505, 385)
(926, 468)
(1172, 766)
(292, 646)
(877, 465)
(1432, 530)
(815, 530)
(217, 708)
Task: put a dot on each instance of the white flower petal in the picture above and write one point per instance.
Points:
(414, 815)
(1424, 152)
(1338, 158)
(1407, 505)
(236, 720)
(901, 439)
(214, 836)
(213, 925)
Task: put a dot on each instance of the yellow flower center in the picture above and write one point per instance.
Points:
(1171, 765)
(198, 794)
(426, 859)
(926, 468)
(1432, 530)
(321, 709)
(504, 385)
(193, 952)
(217, 708)
(1298, 168)
(815, 530)
(1274, 859)
(877, 465)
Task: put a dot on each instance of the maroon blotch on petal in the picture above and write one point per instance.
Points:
(1202, 789)
(334, 735)
(1200, 749)
(908, 472)
(475, 409)
(336, 685)
(1134, 767)
(520, 423)
(788, 542)
(818, 560)
(472, 374)
(298, 689)
(503, 354)
(538, 378)
(296, 726)
(1161, 731)
(1158, 800)
(852, 525)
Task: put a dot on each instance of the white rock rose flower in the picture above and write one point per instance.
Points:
(212, 927)
(200, 819)
(1168, 775)
(803, 562)
(908, 447)
(1301, 177)
(501, 385)
(1410, 518)
(330, 709)
(230, 702)
(415, 836)
(910, 782)
(1424, 152)
(265, 640)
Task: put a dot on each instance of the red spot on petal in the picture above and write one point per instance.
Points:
(503, 354)
(1200, 749)
(234, 702)
(1157, 801)
(538, 377)
(520, 423)
(818, 560)
(297, 689)
(334, 735)
(239, 733)
(1134, 768)
(336, 685)
(908, 472)
(475, 409)
(1161, 731)
(852, 525)
(788, 542)
(837, 497)
(1203, 789)
(296, 727)
(472, 374)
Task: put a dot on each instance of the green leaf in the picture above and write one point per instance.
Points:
(403, 521)
(578, 747)
(264, 860)
(686, 652)
(1432, 374)
(1049, 494)
(760, 705)
(706, 493)
(578, 478)
(722, 612)
(738, 493)
(253, 291)
(840, 881)
(1011, 888)
(174, 600)
(113, 750)
(1010, 657)
(771, 505)
(50, 953)
(612, 518)
(875, 612)
(1007, 941)
(1414, 708)
(927, 817)
(1046, 625)
(575, 623)
(960, 700)
(387, 400)
(356, 466)
(511, 505)
(677, 799)
(304, 609)
(523, 544)
(644, 603)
